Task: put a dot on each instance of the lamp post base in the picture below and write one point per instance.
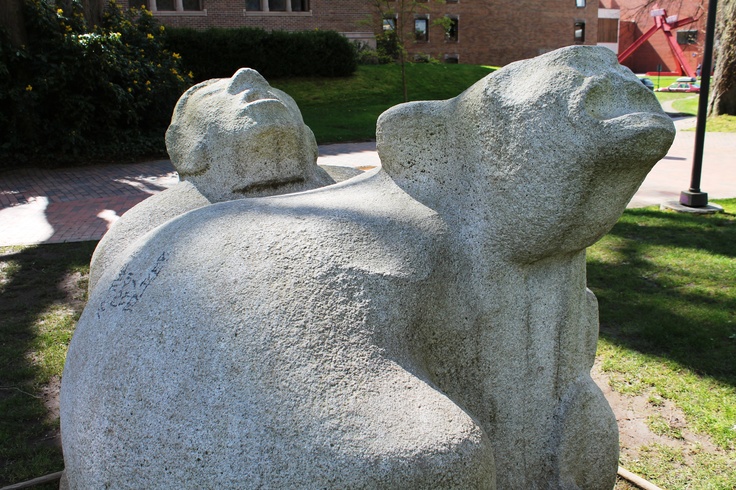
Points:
(681, 208)
(694, 199)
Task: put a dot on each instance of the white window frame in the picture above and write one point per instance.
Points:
(265, 10)
(425, 18)
(179, 9)
(575, 38)
(456, 19)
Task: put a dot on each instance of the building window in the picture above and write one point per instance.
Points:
(421, 29)
(163, 5)
(687, 37)
(580, 4)
(452, 30)
(452, 59)
(389, 24)
(300, 5)
(579, 32)
(277, 5)
(175, 5)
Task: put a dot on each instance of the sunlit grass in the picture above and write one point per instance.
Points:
(691, 468)
(721, 124)
(666, 285)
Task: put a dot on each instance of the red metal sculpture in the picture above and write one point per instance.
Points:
(667, 25)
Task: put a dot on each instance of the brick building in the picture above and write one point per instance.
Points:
(493, 32)
(621, 22)
(497, 32)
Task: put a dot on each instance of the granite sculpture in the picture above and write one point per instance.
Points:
(229, 138)
(424, 325)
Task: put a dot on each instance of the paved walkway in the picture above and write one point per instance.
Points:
(77, 204)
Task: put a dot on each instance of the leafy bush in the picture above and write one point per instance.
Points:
(367, 56)
(77, 93)
(387, 44)
(277, 54)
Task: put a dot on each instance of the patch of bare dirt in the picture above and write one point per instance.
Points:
(73, 288)
(50, 395)
(632, 413)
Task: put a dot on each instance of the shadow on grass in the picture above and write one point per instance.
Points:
(666, 285)
(42, 293)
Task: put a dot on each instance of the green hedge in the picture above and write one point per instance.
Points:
(78, 94)
(218, 53)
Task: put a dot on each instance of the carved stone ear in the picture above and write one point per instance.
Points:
(413, 136)
(245, 78)
(195, 162)
(186, 154)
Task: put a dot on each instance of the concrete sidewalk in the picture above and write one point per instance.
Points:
(672, 174)
(78, 204)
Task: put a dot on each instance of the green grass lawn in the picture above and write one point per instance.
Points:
(688, 104)
(666, 284)
(346, 109)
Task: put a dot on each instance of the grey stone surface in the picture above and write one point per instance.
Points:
(239, 137)
(426, 326)
(139, 220)
(527, 168)
(229, 138)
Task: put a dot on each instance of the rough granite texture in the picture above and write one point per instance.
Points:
(422, 326)
(229, 138)
(239, 137)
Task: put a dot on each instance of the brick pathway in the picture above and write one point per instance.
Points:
(74, 204)
(77, 204)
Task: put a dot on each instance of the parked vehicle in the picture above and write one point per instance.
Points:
(683, 84)
(647, 83)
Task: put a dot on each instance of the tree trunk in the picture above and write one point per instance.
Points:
(403, 15)
(403, 75)
(11, 19)
(723, 94)
(93, 10)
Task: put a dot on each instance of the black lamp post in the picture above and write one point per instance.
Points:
(694, 197)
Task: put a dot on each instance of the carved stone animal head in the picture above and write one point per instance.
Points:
(239, 137)
(541, 156)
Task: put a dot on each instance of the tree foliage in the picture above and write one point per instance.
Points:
(276, 54)
(76, 93)
(394, 28)
(11, 20)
